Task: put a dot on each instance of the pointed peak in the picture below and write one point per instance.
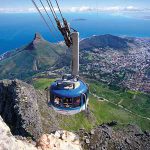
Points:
(38, 37)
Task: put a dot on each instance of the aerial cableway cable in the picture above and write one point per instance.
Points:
(48, 15)
(63, 28)
(52, 9)
(42, 16)
(59, 9)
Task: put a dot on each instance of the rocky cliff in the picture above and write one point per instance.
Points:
(9, 142)
(60, 140)
(19, 109)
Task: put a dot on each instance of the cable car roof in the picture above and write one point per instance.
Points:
(69, 93)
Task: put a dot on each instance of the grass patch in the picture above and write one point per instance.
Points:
(137, 102)
(103, 112)
(42, 83)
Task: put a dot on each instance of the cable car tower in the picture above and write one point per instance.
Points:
(68, 95)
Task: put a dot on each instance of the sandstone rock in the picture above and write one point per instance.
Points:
(9, 142)
(60, 140)
(87, 141)
(92, 132)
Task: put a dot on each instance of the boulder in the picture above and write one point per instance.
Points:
(60, 140)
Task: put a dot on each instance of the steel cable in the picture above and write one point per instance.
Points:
(48, 15)
(42, 16)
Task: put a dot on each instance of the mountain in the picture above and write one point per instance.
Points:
(60, 140)
(40, 55)
(105, 41)
(117, 61)
(37, 56)
(8, 141)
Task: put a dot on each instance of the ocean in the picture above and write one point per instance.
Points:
(18, 29)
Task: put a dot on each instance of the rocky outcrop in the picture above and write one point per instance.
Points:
(9, 142)
(37, 38)
(60, 140)
(19, 109)
(25, 110)
(104, 137)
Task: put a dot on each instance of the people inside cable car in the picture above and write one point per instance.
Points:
(76, 102)
(57, 101)
(67, 102)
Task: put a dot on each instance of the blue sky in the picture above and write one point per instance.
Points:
(75, 3)
(118, 7)
(26, 4)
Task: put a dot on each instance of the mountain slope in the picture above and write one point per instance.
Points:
(37, 56)
(104, 41)
(119, 62)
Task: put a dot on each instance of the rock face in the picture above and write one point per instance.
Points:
(37, 38)
(19, 109)
(25, 110)
(9, 142)
(104, 137)
(60, 140)
(50, 119)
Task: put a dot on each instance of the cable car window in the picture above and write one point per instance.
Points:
(67, 102)
(77, 102)
(58, 101)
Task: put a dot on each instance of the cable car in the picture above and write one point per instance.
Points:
(69, 95)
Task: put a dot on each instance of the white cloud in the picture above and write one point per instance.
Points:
(121, 9)
(17, 10)
(24, 10)
(112, 9)
(78, 9)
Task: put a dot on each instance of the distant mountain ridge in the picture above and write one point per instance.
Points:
(38, 55)
(104, 41)
(101, 41)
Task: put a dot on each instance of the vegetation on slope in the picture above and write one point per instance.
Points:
(137, 102)
(36, 57)
(102, 111)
